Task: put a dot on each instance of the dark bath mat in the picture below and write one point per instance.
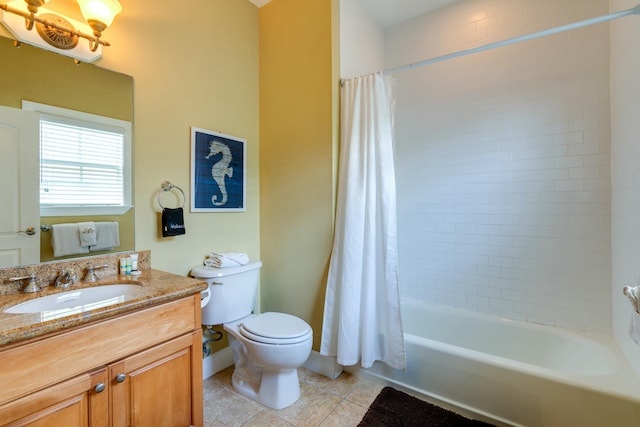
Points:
(394, 408)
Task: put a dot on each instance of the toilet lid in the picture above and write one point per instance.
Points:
(276, 328)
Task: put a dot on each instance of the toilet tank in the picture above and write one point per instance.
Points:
(232, 292)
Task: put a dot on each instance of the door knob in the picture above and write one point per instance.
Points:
(30, 231)
(100, 387)
(121, 377)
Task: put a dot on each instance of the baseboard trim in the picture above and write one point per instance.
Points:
(217, 362)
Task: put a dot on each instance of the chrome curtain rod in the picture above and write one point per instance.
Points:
(580, 24)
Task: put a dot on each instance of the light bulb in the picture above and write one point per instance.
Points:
(102, 11)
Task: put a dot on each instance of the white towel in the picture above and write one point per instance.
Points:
(66, 241)
(87, 232)
(230, 259)
(107, 236)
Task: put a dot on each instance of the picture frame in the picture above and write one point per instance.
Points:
(218, 172)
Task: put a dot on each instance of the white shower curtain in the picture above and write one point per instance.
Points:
(362, 304)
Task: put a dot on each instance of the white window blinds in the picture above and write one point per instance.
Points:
(80, 165)
(85, 162)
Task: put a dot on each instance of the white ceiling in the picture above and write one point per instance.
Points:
(390, 12)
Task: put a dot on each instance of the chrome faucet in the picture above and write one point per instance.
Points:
(32, 286)
(633, 293)
(66, 278)
(91, 275)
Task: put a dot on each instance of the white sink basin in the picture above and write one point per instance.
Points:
(78, 300)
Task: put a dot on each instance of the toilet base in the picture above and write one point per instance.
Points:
(276, 389)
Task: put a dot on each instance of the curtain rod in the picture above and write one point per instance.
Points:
(597, 20)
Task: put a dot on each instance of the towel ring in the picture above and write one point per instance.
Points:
(167, 186)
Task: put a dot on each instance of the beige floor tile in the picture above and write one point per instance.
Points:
(323, 402)
(341, 386)
(267, 419)
(224, 407)
(311, 409)
(210, 386)
(223, 377)
(346, 414)
(364, 393)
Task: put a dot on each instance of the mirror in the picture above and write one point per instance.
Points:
(44, 77)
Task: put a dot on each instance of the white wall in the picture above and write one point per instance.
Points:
(361, 41)
(625, 114)
(503, 163)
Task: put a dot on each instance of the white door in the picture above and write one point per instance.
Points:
(19, 187)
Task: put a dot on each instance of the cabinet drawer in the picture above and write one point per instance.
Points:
(75, 402)
(48, 361)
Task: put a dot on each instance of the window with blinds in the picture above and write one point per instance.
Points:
(85, 164)
(80, 165)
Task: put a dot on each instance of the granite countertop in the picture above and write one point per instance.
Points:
(156, 287)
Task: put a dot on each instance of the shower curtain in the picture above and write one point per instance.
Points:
(362, 304)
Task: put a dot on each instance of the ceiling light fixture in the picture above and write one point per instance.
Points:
(59, 32)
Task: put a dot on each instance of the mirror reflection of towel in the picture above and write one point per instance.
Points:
(172, 222)
(87, 232)
(65, 240)
(107, 236)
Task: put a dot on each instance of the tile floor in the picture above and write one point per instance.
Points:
(323, 402)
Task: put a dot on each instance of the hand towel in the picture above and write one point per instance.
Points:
(172, 222)
(107, 236)
(66, 241)
(87, 232)
(230, 259)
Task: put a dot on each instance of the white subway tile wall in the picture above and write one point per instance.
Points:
(503, 162)
(625, 178)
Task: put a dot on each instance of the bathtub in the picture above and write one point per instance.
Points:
(512, 373)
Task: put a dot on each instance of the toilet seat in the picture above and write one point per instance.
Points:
(276, 328)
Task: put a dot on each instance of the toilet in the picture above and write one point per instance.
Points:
(268, 348)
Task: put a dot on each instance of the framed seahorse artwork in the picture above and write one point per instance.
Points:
(218, 172)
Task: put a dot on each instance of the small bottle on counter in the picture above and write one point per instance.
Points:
(123, 265)
(134, 265)
(134, 262)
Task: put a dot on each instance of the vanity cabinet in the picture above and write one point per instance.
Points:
(138, 369)
(80, 401)
(153, 387)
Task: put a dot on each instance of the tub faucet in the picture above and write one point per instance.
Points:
(66, 279)
(633, 293)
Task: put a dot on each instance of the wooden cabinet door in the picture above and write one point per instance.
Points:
(159, 387)
(79, 402)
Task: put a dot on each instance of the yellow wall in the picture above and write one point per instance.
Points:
(41, 76)
(193, 64)
(298, 95)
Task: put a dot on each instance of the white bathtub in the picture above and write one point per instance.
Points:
(513, 373)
